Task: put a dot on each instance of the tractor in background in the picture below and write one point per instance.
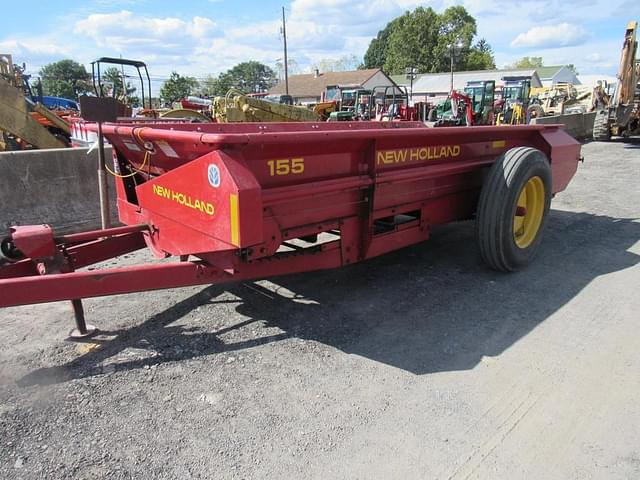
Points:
(482, 96)
(108, 89)
(382, 103)
(474, 106)
(391, 104)
(352, 104)
(119, 91)
(455, 111)
(512, 108)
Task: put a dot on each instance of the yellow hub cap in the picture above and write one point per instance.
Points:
(529, 211)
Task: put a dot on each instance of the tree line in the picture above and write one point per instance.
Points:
(69, 79)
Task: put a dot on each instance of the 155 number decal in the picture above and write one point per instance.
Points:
(286, 166)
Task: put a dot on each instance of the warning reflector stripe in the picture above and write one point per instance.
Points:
(233, 215)
(498, 143)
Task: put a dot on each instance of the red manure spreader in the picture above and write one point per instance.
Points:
(243, 201)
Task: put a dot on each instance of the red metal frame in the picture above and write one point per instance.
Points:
(233, 197)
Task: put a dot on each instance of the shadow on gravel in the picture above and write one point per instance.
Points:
(428, 308)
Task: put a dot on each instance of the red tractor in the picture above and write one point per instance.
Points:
(473, 107)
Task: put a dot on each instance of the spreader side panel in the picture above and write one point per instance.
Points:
(212, 203)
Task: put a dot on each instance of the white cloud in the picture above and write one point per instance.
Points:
(200, 27)
(125, 23)
(316, 29)
(32, 46)
(552, 36)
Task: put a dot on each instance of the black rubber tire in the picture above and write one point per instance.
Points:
(601, 131)
(535, 111)
(497, 208)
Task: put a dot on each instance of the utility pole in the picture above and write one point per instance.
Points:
(454, 45)
(411, 74)
(286, 66)
(451, 89)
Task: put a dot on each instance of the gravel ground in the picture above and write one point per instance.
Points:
(419, 364)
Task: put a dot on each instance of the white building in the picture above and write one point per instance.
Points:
(550, 76)
(433, 87)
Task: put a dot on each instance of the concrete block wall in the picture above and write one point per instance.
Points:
(57, 186)
(578, 125)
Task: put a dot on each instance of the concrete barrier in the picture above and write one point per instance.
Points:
(578, 125)
(57, 186)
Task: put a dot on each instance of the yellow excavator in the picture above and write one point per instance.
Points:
(621, 114)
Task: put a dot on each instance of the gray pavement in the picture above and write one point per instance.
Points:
(419, 364)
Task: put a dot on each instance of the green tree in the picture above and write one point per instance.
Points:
(480, 57)
(457, 27)
(249, 77)
(526, 63)
(65, 78)
(177, 87)
(376, 53)
(211, 86)
(121, 88)
(414, 42)
(427, 40)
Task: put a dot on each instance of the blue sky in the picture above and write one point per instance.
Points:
(200, 37)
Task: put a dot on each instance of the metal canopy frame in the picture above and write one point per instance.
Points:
(137, 64)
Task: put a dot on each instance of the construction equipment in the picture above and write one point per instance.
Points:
(202, 105)
(514, 103)
(622, 115)
(25, 123)
(354, 104)
(341, 103)
(546, 101)
(558, 99)
(245, 201)
(191, 108)
(473, 107)
(482, 95)
(283, 99)
(124, 110)
(391, 103)
(236, 106)
(382, 103)
(325, 109)
(455, 111)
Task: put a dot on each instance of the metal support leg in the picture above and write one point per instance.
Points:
(103, 188)
(82, 330)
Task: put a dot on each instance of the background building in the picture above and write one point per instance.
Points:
(308, 88)
(433, 87)
(550, 76)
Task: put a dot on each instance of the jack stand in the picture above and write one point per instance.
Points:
(82, 330)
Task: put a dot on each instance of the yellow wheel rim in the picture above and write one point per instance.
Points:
(529, 212)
